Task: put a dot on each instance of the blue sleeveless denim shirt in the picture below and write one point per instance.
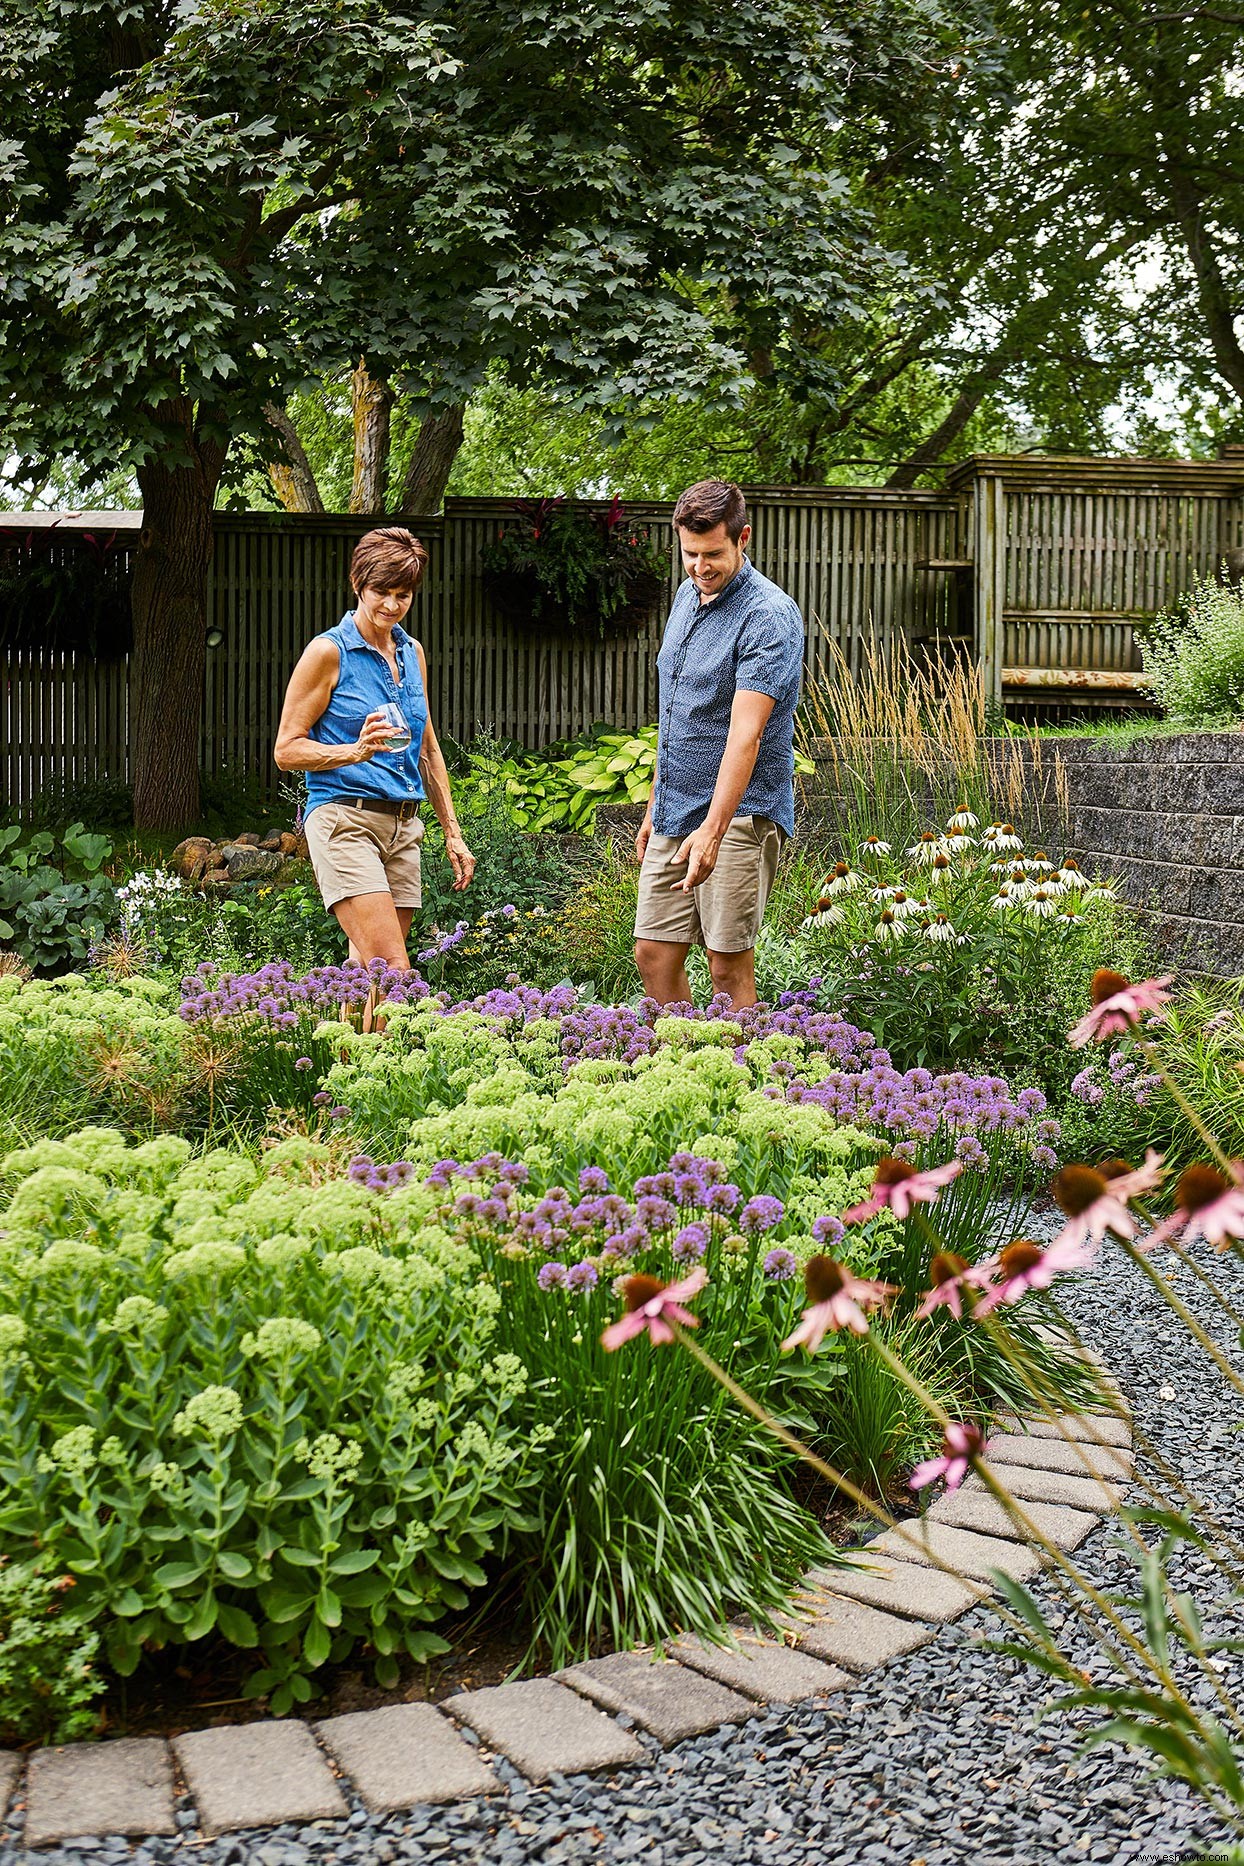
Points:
(365, 681)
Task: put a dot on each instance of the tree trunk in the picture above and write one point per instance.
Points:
(170, 623)
(431, 463)
(948, 430)
(1212, 292)
(291, 473)
(371, 401)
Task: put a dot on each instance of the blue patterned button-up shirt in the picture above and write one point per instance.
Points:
(748, 639)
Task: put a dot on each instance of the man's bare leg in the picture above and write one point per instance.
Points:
(735, 974)
(663, 968)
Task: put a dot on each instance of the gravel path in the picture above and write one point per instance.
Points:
(937, 1759)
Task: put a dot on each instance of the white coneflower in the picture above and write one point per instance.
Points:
(1070, 872)
(941, 869)
(1054, 883)
(884, 894)
(1003, 898)
(1038, 863)
(873, 845)
(889, 926)
(957, 842)
(904, 905)
(1002, 836)
(1004, 867)
(1040, 902)
(940, 929)
(841, 879)
(1019, 884)
(1070, 919)
(825, 914)
(927, 844)
(1097, 892)
(963, 818)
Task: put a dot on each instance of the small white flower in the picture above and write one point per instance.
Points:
(963, 819)
(1097, 893)
(873, 845)
(1002, 899)
(842, 879)
(903, 905)
(826, 915)
(1040, 903)
(940, 929)
(1038, 864)
(1069, 919)
(941, 871)
(884, 894)
(926, 846)
(889, 926)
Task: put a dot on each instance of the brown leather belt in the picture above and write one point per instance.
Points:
(405, 812)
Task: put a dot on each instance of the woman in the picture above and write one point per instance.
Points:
(351, 699)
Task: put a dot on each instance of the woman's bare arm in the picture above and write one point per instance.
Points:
(306, 700)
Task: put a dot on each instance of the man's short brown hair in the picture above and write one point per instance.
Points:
(709, 503)
(388, 559)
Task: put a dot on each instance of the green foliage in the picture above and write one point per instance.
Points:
(54, 902)
(562, 787)
(559, 568)
(48, 1681)
(267, 1405)
(67, 593)
(1195, 657)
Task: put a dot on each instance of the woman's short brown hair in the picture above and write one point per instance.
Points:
(388, 559)
(709, 503)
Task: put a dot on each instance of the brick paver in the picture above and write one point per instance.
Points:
(257, 1775)
(1074, 1493)
(960, 1549)
(762, 1668)
(902, 1587)
(1053, 1454)
(986, 1516)
(1090, 1428)
(125, 1787)
(660, 1695)
(10, 1769)
(857, 1637)
(405, 1754)
(545, 1728)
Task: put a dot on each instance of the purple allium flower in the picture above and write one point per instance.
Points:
(580, 1277)
(690, 1244)
(339, 1113)
(303, 1063)
(593, 1179)
(760, 1213)
(655, 1213)
(780, 1265)
(1045, 1158)
(970, 1151)
(829, 1231)
(322, 1098)
(552, 1276)
(721, 1198)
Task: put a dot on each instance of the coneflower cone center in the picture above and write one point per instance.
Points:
(1113, 1169)
(1078, 1187)
(1198, 1187)
(1019, 1255)
(1107, 984)
(640, 1289)
(892, 1172)
(822, 1279)
(944, 1267)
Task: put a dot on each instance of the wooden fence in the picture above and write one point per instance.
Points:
(1039, 567)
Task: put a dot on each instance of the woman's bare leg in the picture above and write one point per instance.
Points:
(404, 917)
(375, 928)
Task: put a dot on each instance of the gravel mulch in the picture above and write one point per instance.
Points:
(937, 1760)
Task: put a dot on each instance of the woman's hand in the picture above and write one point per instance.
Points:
(375, 736)
(460, 859)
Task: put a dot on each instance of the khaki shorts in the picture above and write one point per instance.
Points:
(356, 851)
(723, 913)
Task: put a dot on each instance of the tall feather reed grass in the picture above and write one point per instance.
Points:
(904, 746)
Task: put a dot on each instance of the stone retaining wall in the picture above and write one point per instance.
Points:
(1165, 815)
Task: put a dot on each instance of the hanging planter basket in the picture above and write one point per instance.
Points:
(555, 570)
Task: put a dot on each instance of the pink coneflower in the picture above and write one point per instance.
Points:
(1094, 1198)
(1207, 1205)
(1022, 1266)
(1118, 1006)
(898, 1186)
(837, 1300)
(654, 1305)
(960, 1444)
(950, 1276)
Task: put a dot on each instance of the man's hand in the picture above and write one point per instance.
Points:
(699, 852)
(460, 859)
(644, 837)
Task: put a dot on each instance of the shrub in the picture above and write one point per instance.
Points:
(48, 1681)
(54, 902)
(1195, 657)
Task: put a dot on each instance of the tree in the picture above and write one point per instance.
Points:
(206, 207)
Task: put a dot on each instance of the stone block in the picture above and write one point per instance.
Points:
(663, 1697)
(761, 1668)
(545, 1728)
(10, 1772)
(984, 1515)
(1058, 1487)
(405, 1754)
(257, 1775)
(961, 1550)
(1053, 1454)
(1082, 1427)
(125, 1787)
(859, 1638)
(901, 1587)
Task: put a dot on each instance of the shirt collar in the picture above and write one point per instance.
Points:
(741, 577)
(354, 636)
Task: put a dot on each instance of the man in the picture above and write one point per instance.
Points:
(723, 801)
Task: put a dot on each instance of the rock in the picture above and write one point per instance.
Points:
(192, 858)
(291, 844)
(248, 862)
(272, 844)
(248, 839)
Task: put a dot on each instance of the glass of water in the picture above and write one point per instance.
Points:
(399, 737)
